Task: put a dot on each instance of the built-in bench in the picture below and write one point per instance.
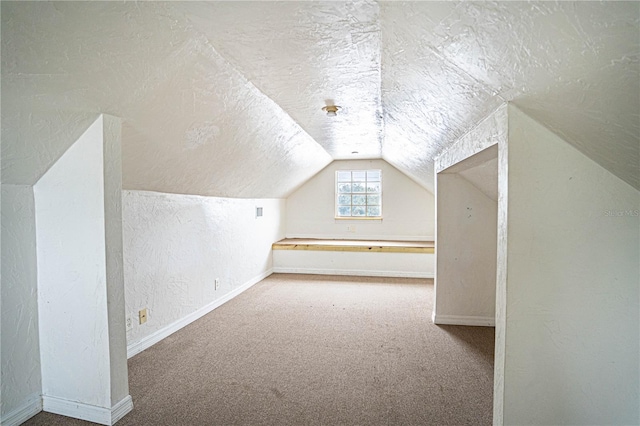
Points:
(355, 257)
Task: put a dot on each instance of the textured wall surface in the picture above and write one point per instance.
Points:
(572, 295)
(466, 253)
(44, 137)
(314, 53)
(175, 246)
(224, 98)
(72, 277)
(568, 64)
(407, 208)
(21, 378)
(192, 123)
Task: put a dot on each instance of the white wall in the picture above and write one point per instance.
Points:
(72, 296)
(367, 264)
(176, 245)
(112, 171)
(572, 294)
(21, 378)
(407, 208)
(466, 253)
(493, 130)
(80, 303)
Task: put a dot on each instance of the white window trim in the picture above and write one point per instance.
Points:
(336, 193)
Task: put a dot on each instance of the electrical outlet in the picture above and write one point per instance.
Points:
(217, 283)
(142, 315)
(351, 228)
(129, 324)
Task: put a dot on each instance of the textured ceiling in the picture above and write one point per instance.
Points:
(225, 98)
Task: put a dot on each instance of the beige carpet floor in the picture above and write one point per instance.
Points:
(315, 350)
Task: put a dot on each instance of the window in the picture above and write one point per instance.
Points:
(359, 194)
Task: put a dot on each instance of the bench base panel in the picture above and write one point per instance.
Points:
(376, 264)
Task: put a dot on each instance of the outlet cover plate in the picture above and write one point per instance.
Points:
(143, 315)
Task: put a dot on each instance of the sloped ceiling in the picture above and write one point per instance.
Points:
(225, 98)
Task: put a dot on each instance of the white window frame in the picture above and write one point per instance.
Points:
(337, 194)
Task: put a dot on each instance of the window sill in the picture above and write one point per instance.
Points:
(358, 218)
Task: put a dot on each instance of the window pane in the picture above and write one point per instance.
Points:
(344, 176)
(344, 211)
(344, 199)
(358, 193)
(373, 186)
(360, 200)
(359, 175)
(358, 187)
(373, 211)
(373, 200)
(344, 187)
(373, 175)
(358, 211)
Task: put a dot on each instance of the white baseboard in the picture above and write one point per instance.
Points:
(150, 340)
(28, 409)
(92, 413)
(121, 409)
(463, 320)
(354, 236)
(353, 272)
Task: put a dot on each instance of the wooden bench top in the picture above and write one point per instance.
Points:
(355, 245)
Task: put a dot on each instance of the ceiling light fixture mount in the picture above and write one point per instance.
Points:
(331, 110)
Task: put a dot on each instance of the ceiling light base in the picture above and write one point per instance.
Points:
(331, 110)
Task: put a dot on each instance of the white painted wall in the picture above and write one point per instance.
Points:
(176, 245)
(474, 145)
(572, 294)
(466, 253)
(72, 298)
(467, 225)
(20, 352)
(112, 170)
(375, 264)
(80, 303)
(408, 209)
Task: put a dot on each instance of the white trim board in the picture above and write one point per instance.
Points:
(92, 413)
(463, 320)
(352, 272)
(367, 237)
(150, 340)
(121, 409)
(31, 406)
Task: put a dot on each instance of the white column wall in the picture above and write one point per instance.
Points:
(408, 209)
(572, 293)
(466, 253)
(454, 299)
(21, 377)
(72, 297)
(112, 169)
(80, 286)
(175, 246)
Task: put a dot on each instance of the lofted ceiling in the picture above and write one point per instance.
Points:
(225, 98)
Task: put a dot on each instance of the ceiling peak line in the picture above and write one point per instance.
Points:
(484, 86)
(479, 123)
(205, 42)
